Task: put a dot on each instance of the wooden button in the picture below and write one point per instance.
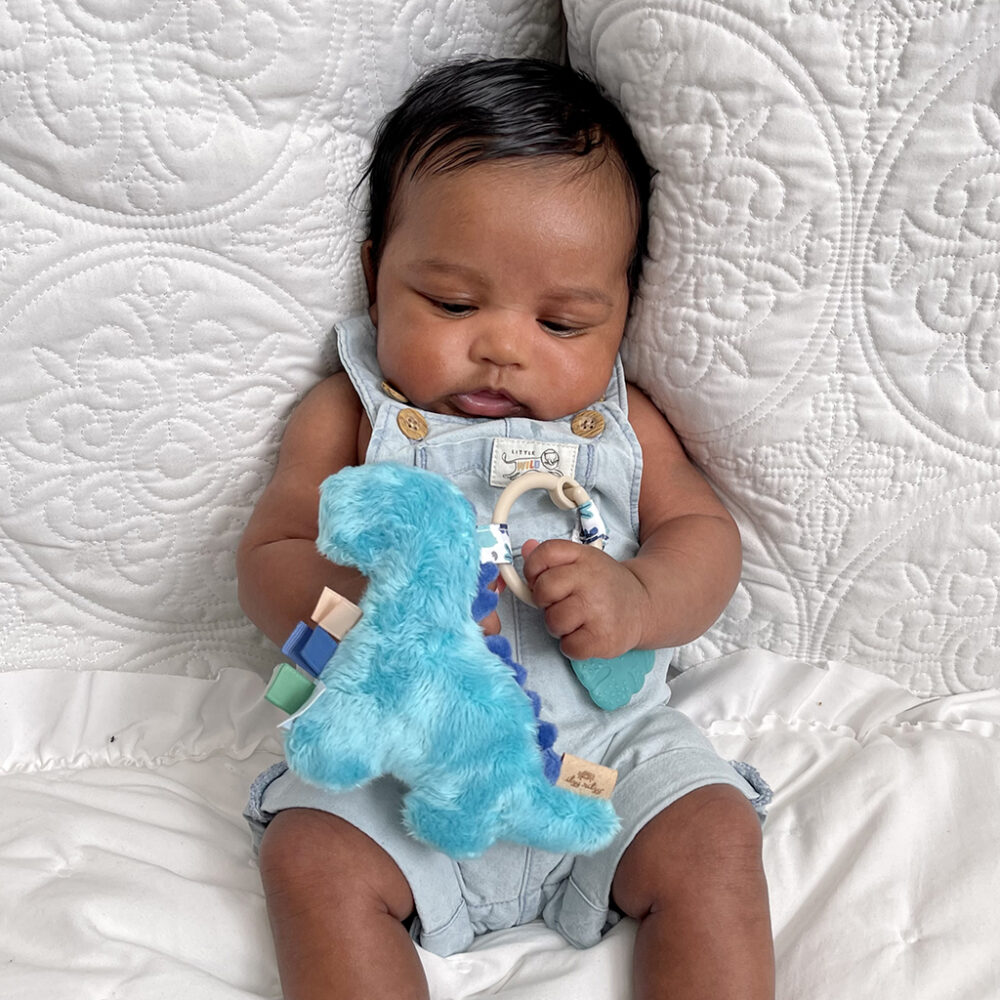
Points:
(394, 393)
(412, 424)
(587, 424)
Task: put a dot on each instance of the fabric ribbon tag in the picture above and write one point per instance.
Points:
(592, 526)
(494, 544)
(318, 692)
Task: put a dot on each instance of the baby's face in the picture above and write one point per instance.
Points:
(502, 290)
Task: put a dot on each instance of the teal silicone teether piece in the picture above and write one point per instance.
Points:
(611, 683)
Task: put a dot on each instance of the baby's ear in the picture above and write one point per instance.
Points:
(371, 275)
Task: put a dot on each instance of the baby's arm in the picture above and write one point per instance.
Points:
(280, 572)
(684, 573)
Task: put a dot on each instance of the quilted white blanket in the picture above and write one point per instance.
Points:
(820, 319)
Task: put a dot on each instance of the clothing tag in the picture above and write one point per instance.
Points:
(494, 544)
(513, 456)
(582, 776)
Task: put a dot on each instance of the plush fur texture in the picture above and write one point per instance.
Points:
(414, 691)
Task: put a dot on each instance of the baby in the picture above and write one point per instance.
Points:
(506, 234)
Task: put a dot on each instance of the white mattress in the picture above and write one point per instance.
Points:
(127, 869)
(819, 318)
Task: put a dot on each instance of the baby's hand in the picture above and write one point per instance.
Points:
(491, 623)
(592, 603)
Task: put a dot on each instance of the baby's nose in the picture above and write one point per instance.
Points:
(500, 341)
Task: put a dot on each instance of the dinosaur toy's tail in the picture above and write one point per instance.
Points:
(559, 820)
(530, 812)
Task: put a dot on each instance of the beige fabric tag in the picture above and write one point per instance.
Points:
(586, 778)
(335, 614)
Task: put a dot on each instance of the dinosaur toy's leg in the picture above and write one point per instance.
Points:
(458, 830)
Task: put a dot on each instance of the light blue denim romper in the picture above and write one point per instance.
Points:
(659, 754)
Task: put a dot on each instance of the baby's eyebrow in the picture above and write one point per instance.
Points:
(596, 295)
(442, 266)
(558, 295)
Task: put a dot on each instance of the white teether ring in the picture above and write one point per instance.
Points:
(565, 492)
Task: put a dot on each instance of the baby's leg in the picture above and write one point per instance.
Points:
(336, 902)
(694, 880)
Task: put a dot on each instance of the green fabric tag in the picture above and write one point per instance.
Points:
(289, 689)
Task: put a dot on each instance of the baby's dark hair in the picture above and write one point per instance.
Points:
(462, 113)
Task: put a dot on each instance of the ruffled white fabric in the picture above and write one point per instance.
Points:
(67, 720)
(127, 868)
(881, 845)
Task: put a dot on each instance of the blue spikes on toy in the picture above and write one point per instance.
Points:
(485, 603)
(486, 600)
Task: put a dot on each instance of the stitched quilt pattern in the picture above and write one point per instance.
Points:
(820, 316)
(178, 233)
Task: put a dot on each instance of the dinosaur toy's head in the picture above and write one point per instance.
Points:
(399, 523)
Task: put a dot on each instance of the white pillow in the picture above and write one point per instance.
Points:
(820, 316)
(176, 238)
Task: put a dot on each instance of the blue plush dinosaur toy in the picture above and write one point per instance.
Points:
(414, 691)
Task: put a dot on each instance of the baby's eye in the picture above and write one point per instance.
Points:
(453, 308)
(560, 329)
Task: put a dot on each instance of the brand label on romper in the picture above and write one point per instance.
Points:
(582, 776)
(513, 457)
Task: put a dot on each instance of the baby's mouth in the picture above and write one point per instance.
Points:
(486, 403)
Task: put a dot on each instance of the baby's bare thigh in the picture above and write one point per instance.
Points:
(709, 837)
(311, 855)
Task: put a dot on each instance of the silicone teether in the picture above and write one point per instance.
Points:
(610, 683)
(565, 493)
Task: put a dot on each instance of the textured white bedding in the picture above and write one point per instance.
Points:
(821, 313)
(127, 870)
(820, 318)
